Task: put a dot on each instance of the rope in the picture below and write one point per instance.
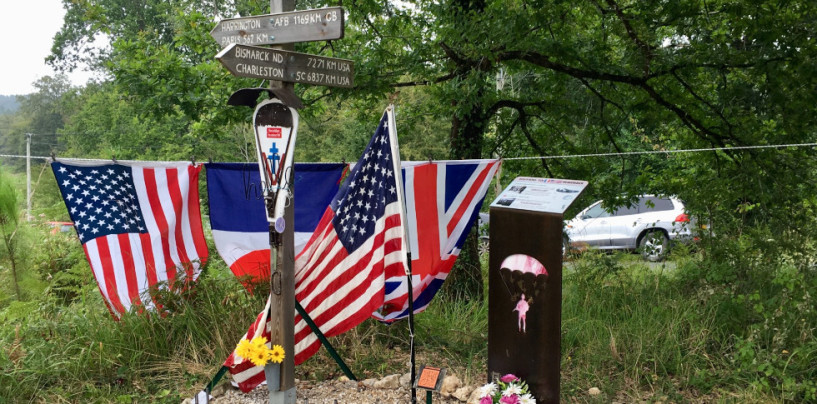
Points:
(569, 156)
(777, 146)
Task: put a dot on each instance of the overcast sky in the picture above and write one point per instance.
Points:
(26, 34)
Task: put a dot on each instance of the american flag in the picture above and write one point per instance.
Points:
(139, 225)
(443, 199)
(339, 275)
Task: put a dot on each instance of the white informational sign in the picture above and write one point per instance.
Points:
(540, 194)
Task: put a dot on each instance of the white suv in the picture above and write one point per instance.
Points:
(649, 225)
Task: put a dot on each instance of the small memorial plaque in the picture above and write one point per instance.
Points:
(430, 378)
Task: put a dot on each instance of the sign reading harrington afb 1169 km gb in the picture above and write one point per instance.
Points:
(322, 24)
(274, 64)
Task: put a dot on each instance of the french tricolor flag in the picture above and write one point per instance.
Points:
(239, 224)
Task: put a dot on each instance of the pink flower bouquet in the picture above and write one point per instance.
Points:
(509, 389)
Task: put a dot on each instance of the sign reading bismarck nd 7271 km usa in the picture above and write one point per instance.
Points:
(295, 67)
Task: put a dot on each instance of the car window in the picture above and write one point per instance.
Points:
(625, 210)
(595, 211)
(654, 204)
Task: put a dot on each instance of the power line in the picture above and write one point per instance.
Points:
(635, 153)
(569, 156)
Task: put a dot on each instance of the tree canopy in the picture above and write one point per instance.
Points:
(485, 78)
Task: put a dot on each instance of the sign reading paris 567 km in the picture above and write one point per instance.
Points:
(322, 24)
(294, 67)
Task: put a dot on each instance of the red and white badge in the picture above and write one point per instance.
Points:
(273, 132)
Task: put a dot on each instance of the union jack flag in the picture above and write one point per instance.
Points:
(442, 201)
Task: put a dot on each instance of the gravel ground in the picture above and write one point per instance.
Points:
(334, 392)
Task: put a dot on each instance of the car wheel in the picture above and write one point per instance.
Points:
(654, 245)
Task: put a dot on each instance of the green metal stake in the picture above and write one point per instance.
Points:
(428, 396)
(324, 341)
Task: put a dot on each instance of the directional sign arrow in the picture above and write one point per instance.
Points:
(321, 24)
(293, 67)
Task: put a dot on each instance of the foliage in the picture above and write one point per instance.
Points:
(9, 224)
(39, 114)
(8, 104)
(79, 353)
(471, 79)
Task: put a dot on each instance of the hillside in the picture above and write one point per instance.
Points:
(8, 104)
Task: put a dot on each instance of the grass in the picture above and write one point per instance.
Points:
(638, 332)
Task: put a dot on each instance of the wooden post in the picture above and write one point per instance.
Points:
(280, 6)
(283, 304)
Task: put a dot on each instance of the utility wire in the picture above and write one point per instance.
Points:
(569, 156)
(635, 153)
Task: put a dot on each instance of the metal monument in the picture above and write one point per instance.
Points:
(525, 282)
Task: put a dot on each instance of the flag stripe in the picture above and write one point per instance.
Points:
(114, 259)
(168, 268)
(341, 307)
(171, 208)
(122, 242)
(140, 268)
(428, 237)
(465, 203)
(104, 256)
(147, 252)
(194, 210)
(93, 259)
(154, 235)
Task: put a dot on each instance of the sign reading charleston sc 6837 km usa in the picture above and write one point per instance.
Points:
(294, 67)
(321, 24)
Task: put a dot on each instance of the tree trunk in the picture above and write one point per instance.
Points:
(465, 280)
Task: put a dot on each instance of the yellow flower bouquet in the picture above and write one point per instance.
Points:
(257, 351)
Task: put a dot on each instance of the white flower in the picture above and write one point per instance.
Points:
(527, 399)
(487, 390)
(512, 389)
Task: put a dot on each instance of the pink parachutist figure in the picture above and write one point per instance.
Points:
(522, 307)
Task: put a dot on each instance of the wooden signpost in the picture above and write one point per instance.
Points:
(281, 67)
(271, 29)
(293, 67)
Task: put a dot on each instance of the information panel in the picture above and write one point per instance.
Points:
(540, 194)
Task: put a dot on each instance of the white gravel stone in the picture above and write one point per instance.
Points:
(474, 397)
(462, 393)
(388, 382)
(333, 392)
(450, 384)
(405, 380)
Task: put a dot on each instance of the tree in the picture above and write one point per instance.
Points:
(593, 77)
